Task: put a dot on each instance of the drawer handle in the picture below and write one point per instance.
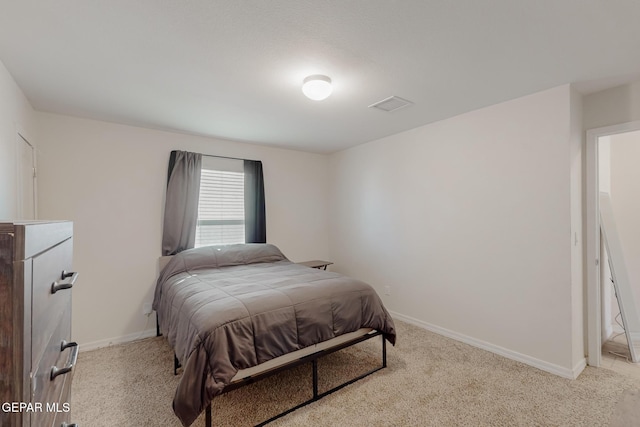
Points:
(64, 345)
(68, 279)
(55, 371)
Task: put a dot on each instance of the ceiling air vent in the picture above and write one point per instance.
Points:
(391, 103)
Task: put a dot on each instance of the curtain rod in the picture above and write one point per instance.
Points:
(226, 157)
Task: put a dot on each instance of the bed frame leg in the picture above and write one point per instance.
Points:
(314, 363)
(207, 416)
(176, 364)
(384, 352)
(157, 326)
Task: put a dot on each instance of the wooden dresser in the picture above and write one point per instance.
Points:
(37, 354)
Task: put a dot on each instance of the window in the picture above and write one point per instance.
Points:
(221, 202)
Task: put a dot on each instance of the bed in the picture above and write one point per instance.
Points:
(233, 313)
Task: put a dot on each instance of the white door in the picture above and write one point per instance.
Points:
(26, 179)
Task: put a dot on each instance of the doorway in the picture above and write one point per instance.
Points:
(599, 294)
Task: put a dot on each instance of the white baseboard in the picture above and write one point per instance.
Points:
(509, 354)
(579, 367)
(117, 340)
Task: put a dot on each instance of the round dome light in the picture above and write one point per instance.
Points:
(317, 87)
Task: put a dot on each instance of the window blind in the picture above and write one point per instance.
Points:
(220, 208)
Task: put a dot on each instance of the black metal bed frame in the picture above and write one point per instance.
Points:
(311, 358)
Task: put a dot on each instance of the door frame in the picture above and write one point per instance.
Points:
(592, 253)
(22, 138)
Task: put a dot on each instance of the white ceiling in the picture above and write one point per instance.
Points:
(233, 69)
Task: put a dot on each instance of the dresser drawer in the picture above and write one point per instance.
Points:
(51, 392)
(48, 307)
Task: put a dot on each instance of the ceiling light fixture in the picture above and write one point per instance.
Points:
(317, 87)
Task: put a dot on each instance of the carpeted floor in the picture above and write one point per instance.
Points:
(430, 381)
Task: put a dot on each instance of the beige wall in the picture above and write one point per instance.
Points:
(110, 180)
(467, 220)
(15, 115)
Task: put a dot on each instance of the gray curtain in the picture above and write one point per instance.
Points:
(255, 224)
(181, 205)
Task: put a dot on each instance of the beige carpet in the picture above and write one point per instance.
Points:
(430, 381)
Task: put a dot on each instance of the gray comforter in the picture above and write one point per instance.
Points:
(226, 308)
